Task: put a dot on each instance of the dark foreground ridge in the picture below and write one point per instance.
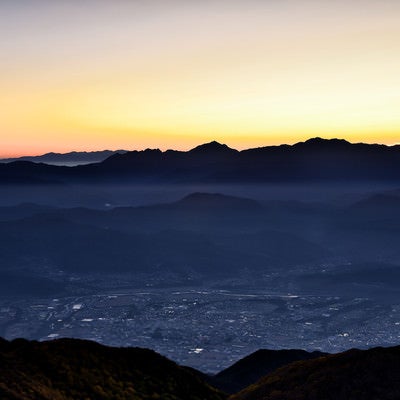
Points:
(355, 374)
(256, 365)
(78, 369)
(69, 369)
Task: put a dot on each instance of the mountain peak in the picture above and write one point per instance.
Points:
(213, 147)
(318, 142)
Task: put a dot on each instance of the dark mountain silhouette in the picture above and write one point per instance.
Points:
(202, 212)
(213, 149)
(210, 234)
(74, 247)
(26, 172)
(355, 374)
(315, 160)
(68, 158)
(250, 369)
(77, 369)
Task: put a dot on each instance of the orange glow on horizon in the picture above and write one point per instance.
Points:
(136, 75)
(186, 143)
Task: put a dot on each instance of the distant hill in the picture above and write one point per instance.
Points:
(72, 369)
(213, 149)
(355, 374)
(250, 369)
(315, 160)
(68, 159)
(213, 234)
(209, 234)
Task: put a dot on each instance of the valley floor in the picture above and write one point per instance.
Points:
(204, 326)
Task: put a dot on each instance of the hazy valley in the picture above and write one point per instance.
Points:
(206, 272)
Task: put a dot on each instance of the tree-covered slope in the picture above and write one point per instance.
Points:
(77, 369)
(353, 375)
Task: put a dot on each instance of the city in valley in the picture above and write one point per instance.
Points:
(207, 326)
(204, 275)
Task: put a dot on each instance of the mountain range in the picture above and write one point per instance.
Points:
(209, 236)
(72, 158)
(314, 160)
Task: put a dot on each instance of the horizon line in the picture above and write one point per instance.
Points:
(10, 157)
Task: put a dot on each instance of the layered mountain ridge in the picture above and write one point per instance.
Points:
(72, 158)
(313, 160)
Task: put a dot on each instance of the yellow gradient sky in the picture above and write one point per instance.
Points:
(96, 74)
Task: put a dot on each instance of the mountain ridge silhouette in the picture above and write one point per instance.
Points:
(315, 160)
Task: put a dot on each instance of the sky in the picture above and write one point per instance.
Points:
(99, 74)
